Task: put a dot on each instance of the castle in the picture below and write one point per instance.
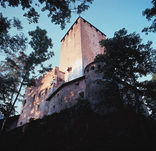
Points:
(60, 88)
(77, 76)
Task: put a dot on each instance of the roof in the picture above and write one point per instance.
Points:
(84, 21)
(63, 85)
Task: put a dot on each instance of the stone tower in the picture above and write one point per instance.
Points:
(59, 89)
(79, 47)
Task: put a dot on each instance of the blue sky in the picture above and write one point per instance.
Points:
(107, 15)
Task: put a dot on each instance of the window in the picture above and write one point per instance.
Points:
(81, 94)
(34, 97)
(69, 69)
(92, 68)
(24, 102)
(39, 94)
(77, 83)
(46, 91)
(99, 66)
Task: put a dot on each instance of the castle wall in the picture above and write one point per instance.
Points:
(102, 92)
(59, 88)
(71, 55)
(67, 95)
(90, 38)
(34, 106)
(63, 97)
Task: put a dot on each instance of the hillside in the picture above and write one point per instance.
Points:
(79, 128)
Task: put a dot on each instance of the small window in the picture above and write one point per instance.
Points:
(34, 97)
(24, 102)
(69, 69)
(39, 94)
(99, 66)
(46, 91)
(92, 68)
(81, 94)
(31, 119)
(77, 83)
(54, 106)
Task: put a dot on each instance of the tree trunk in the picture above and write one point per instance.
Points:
(11, 107)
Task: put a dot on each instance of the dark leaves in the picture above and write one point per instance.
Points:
(40, 43)
(127, 56)
(150, 14)
(128, 59)
(19, 67)
(32, 16)
(58, 10)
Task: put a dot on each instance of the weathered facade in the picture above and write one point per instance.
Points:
(60, 88)
(79, 47)
(77, 76)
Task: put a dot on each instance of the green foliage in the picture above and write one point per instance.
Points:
(154, 76)
(127, 60)
(40, 44)
(150, 98)
(19, 66)
(74, 131)
(58, 10)
(10, 44)
(150, 14)
(82, 105)
(18, 69)
(6, 87)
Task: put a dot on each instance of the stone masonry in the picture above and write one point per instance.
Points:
(60, 88)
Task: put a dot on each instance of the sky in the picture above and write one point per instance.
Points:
(107, 15)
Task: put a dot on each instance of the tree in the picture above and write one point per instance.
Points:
(127, 60)
(18, 70)
(151, 96)
(9, 45)
(58, 10)
(6, 86)
(154, 76)
(150, 14)
(18, 67)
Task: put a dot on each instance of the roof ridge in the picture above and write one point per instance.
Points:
(76, 22)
